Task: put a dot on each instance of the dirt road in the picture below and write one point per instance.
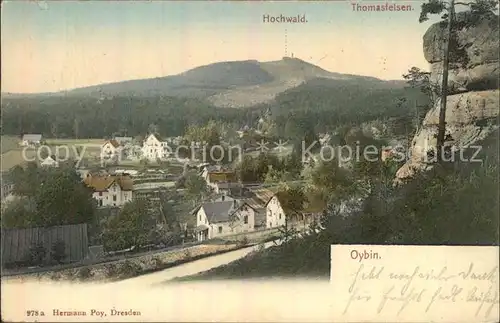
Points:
(190, 268)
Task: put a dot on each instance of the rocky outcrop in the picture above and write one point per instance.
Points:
(484, 76)
(479, 39)
(466, 108)
(472, 106)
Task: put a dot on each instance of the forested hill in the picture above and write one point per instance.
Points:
(326, 104)
(320, 104)
(233, 84)
(97, 118)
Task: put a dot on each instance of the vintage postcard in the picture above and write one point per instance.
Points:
(250, 161)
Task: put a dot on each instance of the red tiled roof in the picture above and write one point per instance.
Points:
(221, 177)
(102, 183)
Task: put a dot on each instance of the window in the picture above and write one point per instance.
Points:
(200, 217)
(220, 229)
(245, 219)
(100, 193)
(114, 198)
(100, 202)
(280, 216)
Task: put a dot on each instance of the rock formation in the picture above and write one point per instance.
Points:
(473, 102)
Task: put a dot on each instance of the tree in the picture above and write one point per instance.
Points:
(153, 129)
(132, 226)
(274, 176)
(25, 179)
(246, 170)
(450, 46)
(336, 181)
(19, 213)
(208, 134)
(287, 232)
(293, 164)
(196, 187)
(48, 197)
(61, 198)
(416, 78)
(292, 200)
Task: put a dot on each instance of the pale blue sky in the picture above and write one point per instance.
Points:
(69, 44)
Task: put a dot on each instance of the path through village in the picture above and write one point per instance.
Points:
(191, 268)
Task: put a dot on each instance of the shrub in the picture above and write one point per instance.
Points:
(85, 273)
(243, 241)
(58, 251)
(129, 269)
(37, 254)
(188, 254)
(110, 270)
(157, 262)
(261, 247)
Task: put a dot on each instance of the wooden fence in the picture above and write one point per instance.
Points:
(16, 243)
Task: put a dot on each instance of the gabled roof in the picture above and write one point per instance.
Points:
(113, 142)
(218, 177)
(217, 211)
(32, 137)
(255, 203)
(157, 136)
(264, 195)
(103, 183)
(222, 210)
(50, 160)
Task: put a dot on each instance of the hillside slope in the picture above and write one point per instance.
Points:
(224, 84)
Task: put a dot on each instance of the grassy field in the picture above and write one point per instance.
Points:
(13, 154)
(74, 142)
(9, 143)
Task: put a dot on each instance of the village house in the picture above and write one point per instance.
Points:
(275, 214)
(31, 140)
(7, 186)
(215, 219)
(110, 190)
(226, 187)
(85, 172)
(50, 161)
(111, 150)
(257, 198)
(155, 148)
(216, 175)
(223, 197)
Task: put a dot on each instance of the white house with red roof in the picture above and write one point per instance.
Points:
(109, 190)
